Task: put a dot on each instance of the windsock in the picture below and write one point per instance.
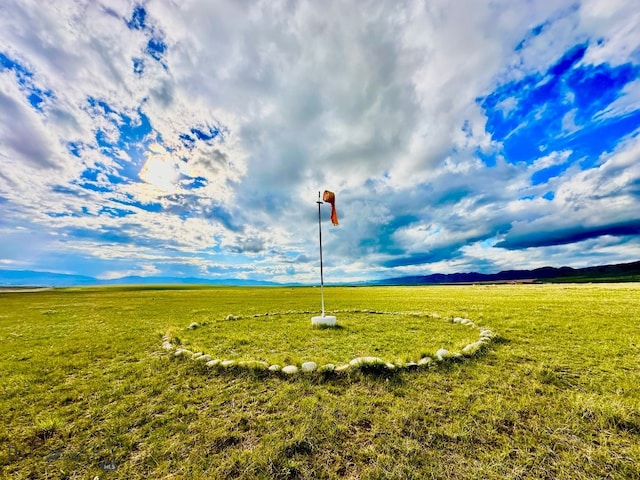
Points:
(330, 197)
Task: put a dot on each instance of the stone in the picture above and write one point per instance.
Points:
(359, 361)
(290, 369)
(486, 333)
(342, 368)
(274, 368)
(425, 362)
(472, 348)
(442, 354)
(213, 363)
(204, 358)
(324, 320)
(227, 363)
(309, 366)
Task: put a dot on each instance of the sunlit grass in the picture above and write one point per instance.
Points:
(88, 391)
(289, 338)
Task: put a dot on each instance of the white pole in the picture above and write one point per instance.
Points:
(319, 202)
(329, 320)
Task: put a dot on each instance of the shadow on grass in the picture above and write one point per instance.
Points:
(328, 327)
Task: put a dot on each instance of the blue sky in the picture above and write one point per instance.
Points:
(191, 138)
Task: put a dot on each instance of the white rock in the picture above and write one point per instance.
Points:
(232, 317)
(193, 325)
(442, 353)
(359, 361)
(342, 368)
(167, 346)
(196, 355)
(324, 320)
(485, 332)
(274, 368)
(290, 369)
(471, 348)
(309, 366)
(213, 363)
(204, 358)
(390, 366)
(227, 363)
(425, 361)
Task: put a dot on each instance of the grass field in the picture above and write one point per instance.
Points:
(87, 391)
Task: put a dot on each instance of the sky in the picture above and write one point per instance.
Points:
(190, 138)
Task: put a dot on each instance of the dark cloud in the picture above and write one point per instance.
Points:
(568, 235)
(21, 136)
(445, 253)
(248, 244)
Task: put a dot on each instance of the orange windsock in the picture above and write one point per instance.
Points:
(330, 197)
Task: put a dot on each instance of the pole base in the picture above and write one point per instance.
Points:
(327, 320)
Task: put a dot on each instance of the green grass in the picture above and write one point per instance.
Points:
(87, 391)
(288, 337)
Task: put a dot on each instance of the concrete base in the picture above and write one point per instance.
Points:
(327, 320)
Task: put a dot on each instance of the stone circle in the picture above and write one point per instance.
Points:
(486, 336)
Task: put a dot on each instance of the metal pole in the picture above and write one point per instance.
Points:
(319, 202)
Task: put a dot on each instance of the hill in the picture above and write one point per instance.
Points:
(13, 278)
(623, 272)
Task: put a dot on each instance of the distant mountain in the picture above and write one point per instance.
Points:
(614, 273)
(17, 278)
(14, 278)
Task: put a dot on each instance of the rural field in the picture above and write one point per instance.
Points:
(88, 390)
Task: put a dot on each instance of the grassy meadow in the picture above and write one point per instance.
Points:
(87, 390)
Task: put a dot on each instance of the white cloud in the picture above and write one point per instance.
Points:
(615, 24)
(627, 103)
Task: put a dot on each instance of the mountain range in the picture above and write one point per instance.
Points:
(612, 273)
(15, 278)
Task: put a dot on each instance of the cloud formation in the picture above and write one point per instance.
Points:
(191, 138)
